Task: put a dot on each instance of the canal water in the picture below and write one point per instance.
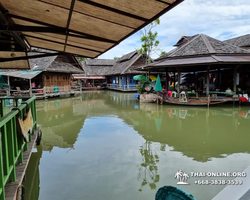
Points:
(105, 145)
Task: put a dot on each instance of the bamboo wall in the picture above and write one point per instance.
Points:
(56, 79)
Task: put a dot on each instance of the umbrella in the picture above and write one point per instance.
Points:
(140, 77)
(158, 87)
(153, 78)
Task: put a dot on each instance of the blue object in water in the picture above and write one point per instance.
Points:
(136, 107)
(136, 95)
(172, 193)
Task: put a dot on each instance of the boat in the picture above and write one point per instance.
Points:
(184, 100)
(172, 193)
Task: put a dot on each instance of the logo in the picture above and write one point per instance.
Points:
(182, 177)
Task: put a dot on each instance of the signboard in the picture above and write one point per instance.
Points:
(24, 127)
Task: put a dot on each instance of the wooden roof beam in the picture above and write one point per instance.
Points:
(29, 57)
(31, 36)
(52, 29)
(164, 2)
(114, 10)
(68, 22)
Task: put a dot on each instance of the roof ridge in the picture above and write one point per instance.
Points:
(246, 51)
(207, 43)
(179, 48)
(236, 37)
(123, 71)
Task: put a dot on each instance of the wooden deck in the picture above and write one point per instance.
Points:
(59, 94)
(11, 188)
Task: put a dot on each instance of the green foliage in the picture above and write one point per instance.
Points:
(163, 53)
(148, 38)
(82, 59)
(141, 85)
(116, 58)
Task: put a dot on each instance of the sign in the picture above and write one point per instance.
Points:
(24, 127)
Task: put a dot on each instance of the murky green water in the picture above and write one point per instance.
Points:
(105, 145)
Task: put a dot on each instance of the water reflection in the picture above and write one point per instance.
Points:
(148, 170)
(109, 139)
(32, 180)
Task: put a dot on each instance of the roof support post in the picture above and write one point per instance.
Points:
(174, 78)
(208, 80)
(8, 82)
(30, 88)
(167, 83)
(179, 81)
(235, 79)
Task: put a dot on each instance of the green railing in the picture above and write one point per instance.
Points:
(12, 145)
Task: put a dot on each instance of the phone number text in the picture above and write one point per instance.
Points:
(218, 182)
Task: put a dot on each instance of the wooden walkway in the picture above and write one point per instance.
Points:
(11, 188)
(60, 94)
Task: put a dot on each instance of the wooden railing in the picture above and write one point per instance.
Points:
(121, 87)
(12, 145)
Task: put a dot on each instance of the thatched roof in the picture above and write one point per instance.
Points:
(184, 40)
(105, 67)
(203, 44)
(97, 67)
(201, 50)
(127, 64)
(59, 64)
(241, 41)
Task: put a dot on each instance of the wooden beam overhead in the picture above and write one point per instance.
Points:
(51, 29)
(68, 22)
(28, 57)
(97, 23)
(114, 10)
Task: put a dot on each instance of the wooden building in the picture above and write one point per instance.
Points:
(95, 71)
(49, 76)
(206, 55)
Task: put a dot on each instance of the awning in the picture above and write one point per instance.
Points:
(21, 74)
(89, 77)
(82, 27)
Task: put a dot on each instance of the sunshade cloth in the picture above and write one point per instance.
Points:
(158, 87)
(140, 77)
(86, 28)
(153, 78)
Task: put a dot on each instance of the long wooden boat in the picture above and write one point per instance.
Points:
(193, 102)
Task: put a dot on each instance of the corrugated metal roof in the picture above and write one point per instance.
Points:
(22, 74)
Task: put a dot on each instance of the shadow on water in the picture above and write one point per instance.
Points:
(197, 133)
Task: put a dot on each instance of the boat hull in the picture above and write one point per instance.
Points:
(193, 102)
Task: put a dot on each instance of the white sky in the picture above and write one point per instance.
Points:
(221, 19)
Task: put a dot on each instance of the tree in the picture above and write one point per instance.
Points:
(83, 59)
(116, 58)
(149, 40)
(163, 53)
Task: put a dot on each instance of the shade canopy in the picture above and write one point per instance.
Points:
(153, 78)
(80, 27)
(158, 87)
(21, 74)
(140, 78)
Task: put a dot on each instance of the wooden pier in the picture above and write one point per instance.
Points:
(19, 133)
(12, 188)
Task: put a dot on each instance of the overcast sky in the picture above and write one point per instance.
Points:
(221, 19)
